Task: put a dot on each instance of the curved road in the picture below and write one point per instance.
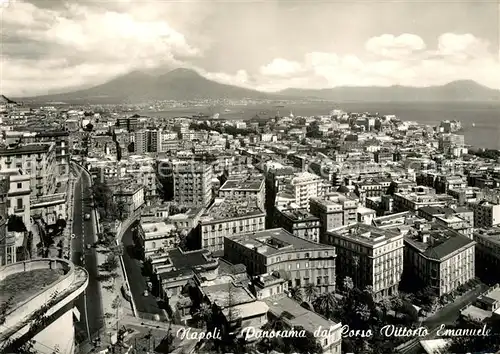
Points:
(89, 304)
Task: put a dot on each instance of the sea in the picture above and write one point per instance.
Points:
(480, 121)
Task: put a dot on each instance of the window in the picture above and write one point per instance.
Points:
(19, 203)
(19, 185)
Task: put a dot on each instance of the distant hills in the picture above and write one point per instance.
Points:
(186, 84)
(457, 91)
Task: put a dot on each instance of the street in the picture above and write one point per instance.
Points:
(447, 315)
(147, 306)
(89, 304)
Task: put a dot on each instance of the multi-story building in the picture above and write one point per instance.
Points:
(18, 197)
(7, 246)
(303, 187)
(487, 252)
(40, 288)
(299, 222)
(334, 212)
(459, 219)
(156, 238)
(129, 123)
(452, 144)
(228, 217)
(245, 186)
(192, 182)
(370, 256)
(439, 257)
(423, 198)
(35, 160)
(132, 195)
(486, 214)
(60, 138)
(300, 261)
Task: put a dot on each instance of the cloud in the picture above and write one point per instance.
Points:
(395, 47)
(100, 44)
(391, 60)
(280, 67)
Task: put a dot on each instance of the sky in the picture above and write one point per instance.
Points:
(57, 46)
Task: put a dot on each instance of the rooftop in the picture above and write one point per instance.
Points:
(228, 293)
(275, 241)
(365, 233)
(185, 263)
(251, 183)
(492, 234)
(437, 242)
(21, 286)
(157, 229)
(25, 149)
(298, 215)
(229, 208)
(296, 315)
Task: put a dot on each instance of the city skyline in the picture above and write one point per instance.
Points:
(57, 46)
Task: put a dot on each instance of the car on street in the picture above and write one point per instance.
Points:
(86, 216)
(145, 293)
(89, 246)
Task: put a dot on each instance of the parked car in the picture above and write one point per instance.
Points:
(146, 293)
(86, 216)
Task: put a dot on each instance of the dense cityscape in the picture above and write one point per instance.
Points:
(347, 232)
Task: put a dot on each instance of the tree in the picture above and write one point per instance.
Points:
(296, 294)
(348, 284)
(310, 291)
(89, 127)
(16, 224)
(326, 304)
(203, 315)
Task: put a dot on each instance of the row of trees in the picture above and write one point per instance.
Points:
(358, 310)
(105, 202)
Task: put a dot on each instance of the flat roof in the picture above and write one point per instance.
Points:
(218, 293)
(275, 241)
(298, 215)
(184, 263)
(365, 233)
(23, 285)
(296, 315)
(243, 184)
(25, 149)
(230, 208)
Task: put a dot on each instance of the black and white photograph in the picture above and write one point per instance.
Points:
(249, 177)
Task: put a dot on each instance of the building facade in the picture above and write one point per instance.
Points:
(299, 261)
(370, 256)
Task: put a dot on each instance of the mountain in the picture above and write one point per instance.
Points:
(5, 100)
(186, 84)
(457, 91)
(137, 87)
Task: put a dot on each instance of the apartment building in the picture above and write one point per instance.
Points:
(19, 195)
(249, 186)
(299, 222)
(132, 195)
(156, 238)
(439, 257)
(334, 212)
(300, 261)
(487, 252)
(192, 182)
(35, 160)
(419, 199)
(7, 247)
(304, 186)
(228, 217)
(486, 214)
(459, 219)
(370, 256)
(60, 138)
